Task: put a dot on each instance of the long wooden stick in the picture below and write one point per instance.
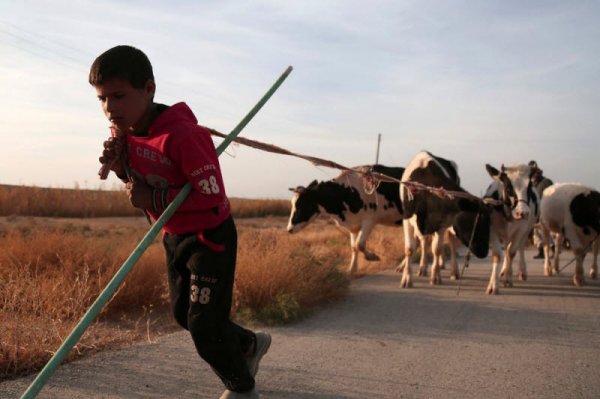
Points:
(41, 379)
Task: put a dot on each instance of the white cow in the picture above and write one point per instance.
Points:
(353, 209)
(512, 221)
(356, 211)
(430, 214)
(571, 211)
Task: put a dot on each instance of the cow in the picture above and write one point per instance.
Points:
(512, 220)
(571, 211)
(352, 208)
(432, 214)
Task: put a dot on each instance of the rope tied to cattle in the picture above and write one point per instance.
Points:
(587, 247)
(468, 255)
(373, 179)
(370, 182)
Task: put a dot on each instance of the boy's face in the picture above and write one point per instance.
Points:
(125, 106)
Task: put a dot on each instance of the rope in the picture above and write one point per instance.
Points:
(278, 150)
(376, 177)
(370, 184)
(468, 255)
(584, 251)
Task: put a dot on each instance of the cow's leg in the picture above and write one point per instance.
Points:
(409, 249)
(436, 249)
(402, 265)
(361, 242)
(522, 264)
(442, 259)
(578, 278)
(594, 267)
(507, 273)
(454, 274)
(492, 288)
(560, 238)
(423, 261)
(546, 238)
(354, 261)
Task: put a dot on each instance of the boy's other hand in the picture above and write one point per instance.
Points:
(113, 154)
(139, 193)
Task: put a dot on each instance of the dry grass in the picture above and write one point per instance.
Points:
(53, 268)
(251, 208)
(81, 203)
(281, 277)
(57, 202)
(51, 272)
(50, 276)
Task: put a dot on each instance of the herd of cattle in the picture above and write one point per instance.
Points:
(501, 221)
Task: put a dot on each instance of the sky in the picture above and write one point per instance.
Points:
(499, 82)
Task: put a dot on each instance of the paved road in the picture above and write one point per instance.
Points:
(540, 339)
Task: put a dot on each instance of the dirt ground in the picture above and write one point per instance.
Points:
(539, 339)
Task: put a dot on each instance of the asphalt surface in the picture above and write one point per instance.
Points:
(539, 339)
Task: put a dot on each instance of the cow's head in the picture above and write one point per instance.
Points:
(517, 193)
(304, 207)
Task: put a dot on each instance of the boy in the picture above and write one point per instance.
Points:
(156, 150)
(540, 183)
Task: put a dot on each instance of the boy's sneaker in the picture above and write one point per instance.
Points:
(263, 342)
(252, 394)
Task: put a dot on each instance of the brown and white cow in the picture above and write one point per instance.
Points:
(571, 211)
(356, 211)
(512, 221)
(432, 214)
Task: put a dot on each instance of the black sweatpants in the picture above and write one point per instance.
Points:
(201, 273)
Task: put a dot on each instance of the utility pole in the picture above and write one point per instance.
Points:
(378, 142)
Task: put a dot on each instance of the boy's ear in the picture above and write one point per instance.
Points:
(150, 87)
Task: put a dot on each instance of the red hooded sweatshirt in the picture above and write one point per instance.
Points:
(176, 151)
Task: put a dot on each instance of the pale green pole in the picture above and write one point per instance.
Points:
(41, 379)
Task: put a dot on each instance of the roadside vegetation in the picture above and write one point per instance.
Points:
(52, 269)
(82, 203)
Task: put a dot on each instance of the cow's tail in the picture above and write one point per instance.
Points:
(408, 202)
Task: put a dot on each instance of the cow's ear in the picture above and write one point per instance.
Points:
(298, 189)
(492, 171)
(313, 184)
(505, 180)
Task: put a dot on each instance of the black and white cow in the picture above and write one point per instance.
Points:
(353, 209)
(571, 211)
(512, 221)
(432, 214)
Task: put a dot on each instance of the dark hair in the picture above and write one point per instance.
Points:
(533, 164)
(122, 62)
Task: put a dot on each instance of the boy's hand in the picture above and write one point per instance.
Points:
(139, 193)
(113, 154)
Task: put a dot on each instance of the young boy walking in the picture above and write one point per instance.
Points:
(156, 149)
